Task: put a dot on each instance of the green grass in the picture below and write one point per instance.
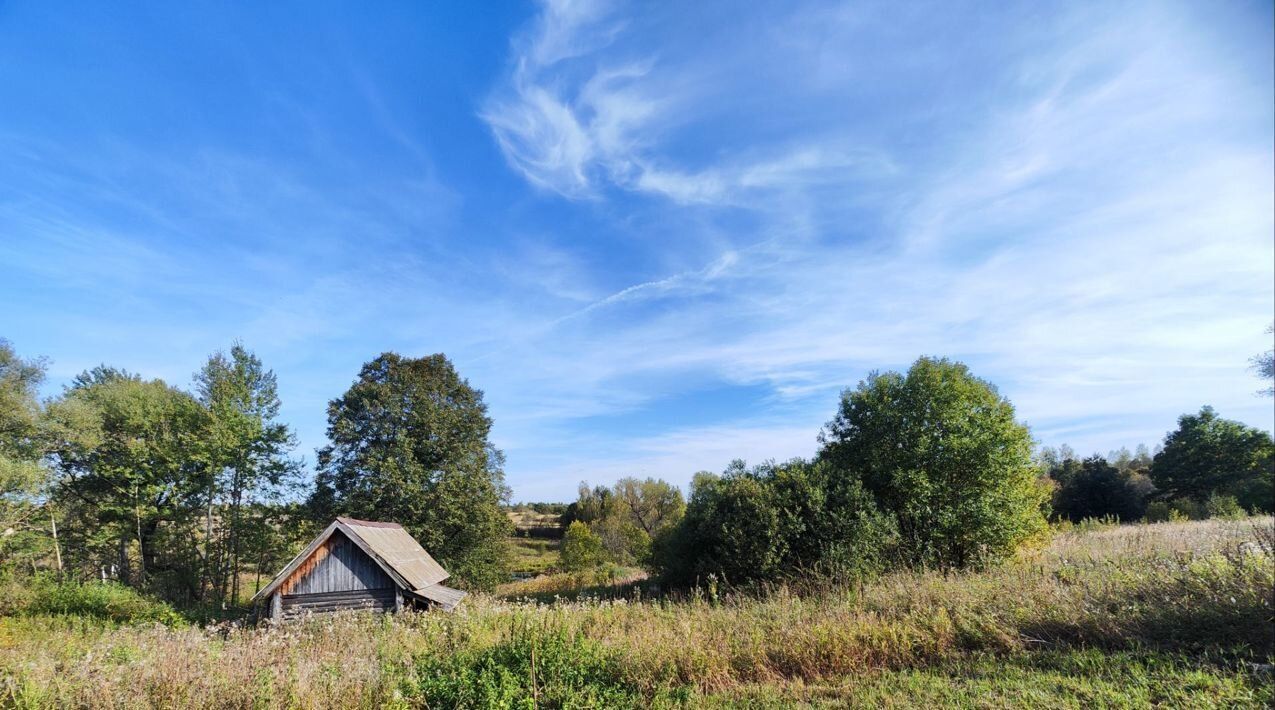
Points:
(532, 556)
(1171, 614)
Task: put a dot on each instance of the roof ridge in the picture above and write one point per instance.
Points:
(366, 523)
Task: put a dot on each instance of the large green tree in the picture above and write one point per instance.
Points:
(21, 475)
(941, 451)
(247, 449)
(409, 443)
(129, 459)
(1209, 455)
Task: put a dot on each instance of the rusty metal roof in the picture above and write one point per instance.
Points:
(396, 551)
(396, 548)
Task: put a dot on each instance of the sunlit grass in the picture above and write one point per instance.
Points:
(532, 556)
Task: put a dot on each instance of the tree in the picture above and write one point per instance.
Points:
(581, 550)
(627, 516)
(247, 450)
(409, 443)
(651, 504)
(730, 531)
(1137, 461)
(941, 452)
(1095, 489)
(590, 505)
(128, 458)
(1207, 454)
(21, 475)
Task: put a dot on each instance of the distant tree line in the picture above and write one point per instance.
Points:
(541, 508)
(1207, 467)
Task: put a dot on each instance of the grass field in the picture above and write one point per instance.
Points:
(1176, 615)
(532, 556)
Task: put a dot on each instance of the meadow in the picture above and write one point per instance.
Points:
(1168, 614)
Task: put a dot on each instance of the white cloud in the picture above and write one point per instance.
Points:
(1099, 245)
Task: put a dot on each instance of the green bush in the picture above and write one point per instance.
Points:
(1187, 509)
(1158, 511)
(778, 521)
(1224, 506)
(941, 451)
(109, 601)
(581, 550)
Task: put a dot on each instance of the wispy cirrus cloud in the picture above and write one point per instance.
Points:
(1093, 235)
(671, 232)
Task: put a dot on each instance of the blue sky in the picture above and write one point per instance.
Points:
(657, 236)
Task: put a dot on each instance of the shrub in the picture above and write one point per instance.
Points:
(1223, 506)
(940, 450)
(778, 521)
(731, 530)
(109, 601)
(1158, 511)
(1187, 509)
(581, 550)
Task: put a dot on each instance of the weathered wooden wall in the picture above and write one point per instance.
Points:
(373, 599)
(337, 576)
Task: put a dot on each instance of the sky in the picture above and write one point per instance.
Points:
(658, 236)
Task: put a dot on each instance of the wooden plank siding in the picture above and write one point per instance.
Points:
(322, 602)
(338, 565)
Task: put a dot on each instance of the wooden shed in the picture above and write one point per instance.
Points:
(358, 564)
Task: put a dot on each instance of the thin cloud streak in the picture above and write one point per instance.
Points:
(1074, 301)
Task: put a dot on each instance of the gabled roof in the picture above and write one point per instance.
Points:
(393, 545)
(393, 549)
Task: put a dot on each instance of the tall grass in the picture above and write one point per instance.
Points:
(45, 595)
(1195, 591)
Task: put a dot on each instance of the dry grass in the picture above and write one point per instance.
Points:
(1200, 591)
(607, 582)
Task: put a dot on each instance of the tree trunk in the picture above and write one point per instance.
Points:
(57, 548)
(141, 546)
(236, 503)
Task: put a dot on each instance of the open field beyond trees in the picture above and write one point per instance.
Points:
(1171, 614)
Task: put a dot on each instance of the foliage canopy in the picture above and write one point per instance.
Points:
(940, 451)
(1207, 454)
(409, 443)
